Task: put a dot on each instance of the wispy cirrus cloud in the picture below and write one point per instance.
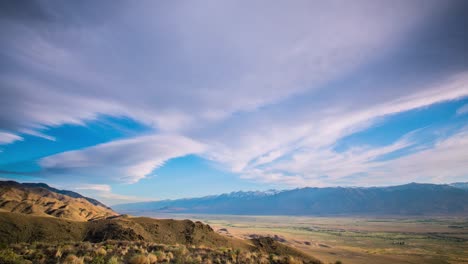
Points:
(301, 152)
(444, 162)
(94, 187)
(439, 162)
(127, 160)
(6, 138)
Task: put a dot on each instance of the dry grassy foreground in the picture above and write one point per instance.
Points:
(133, 252)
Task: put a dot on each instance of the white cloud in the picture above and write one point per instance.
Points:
(303, 147)
(37, 134)
(94, 187)
(127, 160)
(445, 162)
(110, 198)
(7, 138)
(104, 194)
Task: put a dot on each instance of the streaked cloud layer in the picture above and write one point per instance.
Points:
(266, 91)
(127, 160)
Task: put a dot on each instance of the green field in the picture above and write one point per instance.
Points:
(355, 240)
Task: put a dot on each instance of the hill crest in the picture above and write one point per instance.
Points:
(43, 200)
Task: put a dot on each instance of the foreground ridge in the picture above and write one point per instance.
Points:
(128, 239)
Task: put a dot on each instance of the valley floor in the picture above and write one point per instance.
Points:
(354, 240)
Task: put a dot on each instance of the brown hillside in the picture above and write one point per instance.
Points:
(17, 228)
(39, 201)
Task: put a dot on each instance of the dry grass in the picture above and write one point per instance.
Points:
(72, 259)
(136, 252)
(139, 259)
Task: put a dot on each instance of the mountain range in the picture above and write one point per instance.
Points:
(407, 200)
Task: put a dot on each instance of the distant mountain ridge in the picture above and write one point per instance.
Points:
(408, 199)
(42, 200)
(460, 185)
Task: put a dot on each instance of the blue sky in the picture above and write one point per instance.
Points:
(129, 101)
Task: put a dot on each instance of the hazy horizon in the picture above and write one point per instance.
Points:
(94, 196)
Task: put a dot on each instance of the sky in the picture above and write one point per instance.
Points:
(130, 101)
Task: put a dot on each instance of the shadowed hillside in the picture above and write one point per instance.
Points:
(18, 228)
(21, 228)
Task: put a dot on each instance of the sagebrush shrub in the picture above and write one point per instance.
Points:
(72, 259)
(139, 259)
